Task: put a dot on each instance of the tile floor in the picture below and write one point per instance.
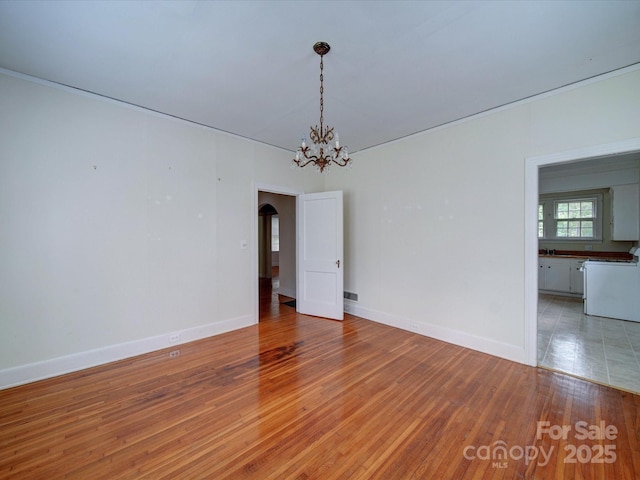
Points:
(596, 348)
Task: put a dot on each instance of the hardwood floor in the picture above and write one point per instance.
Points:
(298, 397)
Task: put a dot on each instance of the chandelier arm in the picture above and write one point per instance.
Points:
(342, 163)
(316, 135)
(328, 135)
(302, 165)
(311, 158)
(320, 163)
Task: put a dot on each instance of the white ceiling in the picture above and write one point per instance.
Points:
(247, 67)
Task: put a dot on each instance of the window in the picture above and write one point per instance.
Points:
(275, 233)
(541, 220)
(575, 218)
(571, 216)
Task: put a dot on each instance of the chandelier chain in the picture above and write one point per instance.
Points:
(321, 94)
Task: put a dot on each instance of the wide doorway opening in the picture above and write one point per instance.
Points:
(559, 335)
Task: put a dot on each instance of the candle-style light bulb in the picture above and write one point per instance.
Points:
(304, 142)
(337, 140)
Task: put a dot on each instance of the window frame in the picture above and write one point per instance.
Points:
(557, 219)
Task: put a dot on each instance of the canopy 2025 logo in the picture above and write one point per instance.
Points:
(499, 453)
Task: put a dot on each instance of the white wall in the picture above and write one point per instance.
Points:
(106, 262)
(434, 223)
(120, 227)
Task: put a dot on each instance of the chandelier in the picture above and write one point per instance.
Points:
(322, 152)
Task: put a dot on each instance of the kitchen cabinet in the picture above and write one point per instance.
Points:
(625, 212)
(562, 275)
(557, 275)
(577, 276)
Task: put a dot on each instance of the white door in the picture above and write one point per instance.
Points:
(319, 248)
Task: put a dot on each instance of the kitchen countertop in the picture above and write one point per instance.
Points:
(587, 255)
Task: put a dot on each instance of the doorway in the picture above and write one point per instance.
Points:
(276, 252)
(268, 255)
(532, 167)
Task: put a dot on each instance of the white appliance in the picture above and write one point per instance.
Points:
(612, 288)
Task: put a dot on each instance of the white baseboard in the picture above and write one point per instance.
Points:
(560, 294)
(287, 292)
(32, 372)
(456, 337)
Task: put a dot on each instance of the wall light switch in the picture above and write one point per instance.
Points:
(243, 244)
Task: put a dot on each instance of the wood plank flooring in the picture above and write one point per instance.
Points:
(298, 397)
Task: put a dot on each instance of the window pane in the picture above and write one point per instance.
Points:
(540, 229)
(540, 212)
(561, 228)
(574, 210)
(587, 209)
(574, 228)
(275, 233)
(562, 210)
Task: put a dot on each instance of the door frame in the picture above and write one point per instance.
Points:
(532, 166)
(267, 188)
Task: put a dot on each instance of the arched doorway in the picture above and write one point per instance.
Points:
(268, 246)
(268, 254)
